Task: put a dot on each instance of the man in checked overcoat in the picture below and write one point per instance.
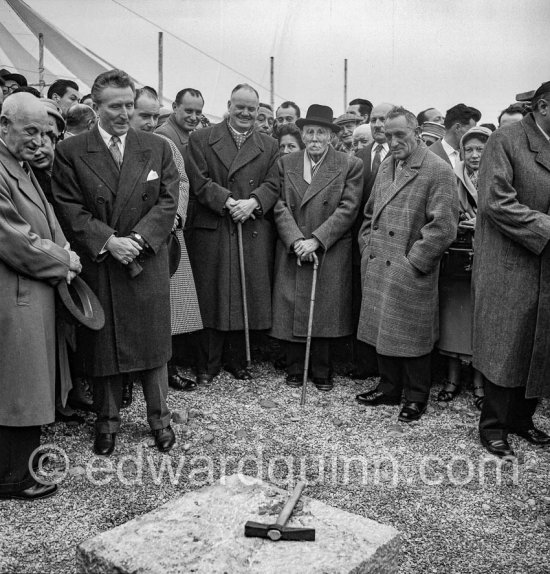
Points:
(411, 218)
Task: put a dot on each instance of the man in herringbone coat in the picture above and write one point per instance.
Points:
(410, 220)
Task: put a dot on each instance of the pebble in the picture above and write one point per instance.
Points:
(212, 428)
(208, 437)
(268, 404)
(532, 502)
(443, 405)
(240, 433)
(485, 506)
(338, 422)
(187, 446)
(77, 470)
(149, 441)
(179, 417)
(546, 499)
(195, 413)
(296, 395)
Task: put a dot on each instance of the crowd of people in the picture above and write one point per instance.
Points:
(413, 234)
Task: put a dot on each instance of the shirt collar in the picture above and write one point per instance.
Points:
(543, 132)
(106, 137)
(237, 133)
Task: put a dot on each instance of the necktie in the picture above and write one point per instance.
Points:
(115, 151)
(377, 159)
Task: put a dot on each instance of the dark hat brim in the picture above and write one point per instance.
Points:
(81, 303)
(301, 122)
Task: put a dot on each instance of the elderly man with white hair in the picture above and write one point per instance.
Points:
(34, 257)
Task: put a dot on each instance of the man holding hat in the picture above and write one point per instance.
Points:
(511, 278)
(320, 198)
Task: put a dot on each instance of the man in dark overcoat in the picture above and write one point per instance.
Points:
(511, 278)
(411, 218)
(233, 175)
(34, 257)
(116, 194)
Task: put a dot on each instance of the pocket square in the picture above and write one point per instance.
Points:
(152, 175)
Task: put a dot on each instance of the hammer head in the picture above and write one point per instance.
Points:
(276, 532)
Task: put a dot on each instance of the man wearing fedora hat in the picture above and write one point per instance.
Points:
(320, 197)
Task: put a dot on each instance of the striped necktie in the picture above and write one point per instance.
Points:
(115, 151)
(377, 158)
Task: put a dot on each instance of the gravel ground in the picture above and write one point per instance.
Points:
(431, 480)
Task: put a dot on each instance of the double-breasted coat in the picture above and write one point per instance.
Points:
(93, 201)
(32, 261)
(217, 170)
(325, 209)
(511, 275)
(411, 218)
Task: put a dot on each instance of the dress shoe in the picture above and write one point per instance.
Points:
(375, 397)
(164, 438)
(294, 380)
(323, 384)
(411, 411)
(68, 418)
(243, 374)
(80, 396)
(104, 443)
(498, 447)
(34, 492)
(534, 436)
(359, 374)
(180, 383)
(127, 391)
(204, 379)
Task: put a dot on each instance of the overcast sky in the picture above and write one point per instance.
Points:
(418, 53)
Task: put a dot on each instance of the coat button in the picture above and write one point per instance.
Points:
(100, 199)
(254, 234)
(391, 234)
(388, 263)
(251, 182)
(145, 196)
(325, 202)
(371, 256)
(232, 180)
(375, 228)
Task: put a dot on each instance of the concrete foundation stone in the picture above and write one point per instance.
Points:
(203, 532)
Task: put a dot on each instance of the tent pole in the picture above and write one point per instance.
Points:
(41, 82)
(345, 84)
(272, 85)
(161, 50)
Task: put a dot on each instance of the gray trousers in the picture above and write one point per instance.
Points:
(108, 397)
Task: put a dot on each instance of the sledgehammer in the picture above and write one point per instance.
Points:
(279, 531)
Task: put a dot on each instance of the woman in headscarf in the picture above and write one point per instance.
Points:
(454, 287)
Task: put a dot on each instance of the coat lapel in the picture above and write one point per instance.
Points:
(537, 142)
(250, 150)
(223, 145)
(136, 159)
(407, 174)
(295, 173)
(327, 172)
(98, 158)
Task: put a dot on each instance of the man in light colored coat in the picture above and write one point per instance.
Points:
(411, 218)
(511, 278)
(34, 256)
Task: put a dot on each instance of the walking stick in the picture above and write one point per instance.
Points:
(309, 328)
(243, 291)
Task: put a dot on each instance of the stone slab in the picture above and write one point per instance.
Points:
(202, 532)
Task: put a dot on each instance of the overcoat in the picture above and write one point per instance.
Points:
(93, 200)
(217, 169)
(325, 209)
(511, 276)
(410, 220)
(32, 261)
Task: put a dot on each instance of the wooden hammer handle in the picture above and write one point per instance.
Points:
(285, 513)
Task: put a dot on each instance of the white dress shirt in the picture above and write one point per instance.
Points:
(451, 152)
(383, 152)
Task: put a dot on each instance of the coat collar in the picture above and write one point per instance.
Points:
(223, 145)
(407, 174)
(537, 142)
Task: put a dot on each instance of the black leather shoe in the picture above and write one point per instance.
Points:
(204, 379)
(357, 374)
(242, 374)
(127, 390)
(323, 384)
(375, 397)
(181, 383)
(294, 380)
(104, 443)
(411, 411)
(164, 438)
(80, 396)
(35, 492)
(498, 447)
(534, 436)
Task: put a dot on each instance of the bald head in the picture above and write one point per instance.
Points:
(80, 118)
(23, 125)
(377, 119)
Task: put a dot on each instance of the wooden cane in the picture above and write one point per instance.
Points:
(243, 291)
(309, 328)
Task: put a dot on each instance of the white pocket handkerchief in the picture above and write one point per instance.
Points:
(152, 175)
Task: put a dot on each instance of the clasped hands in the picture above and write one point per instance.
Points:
(123, 249)
(242, 209)
(75, 267)
(305, 250)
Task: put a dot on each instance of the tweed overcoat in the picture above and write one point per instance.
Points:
(93, 200)
(511, 276)
(32, 261)
(326, 210)
(217, 169)
(409, 223)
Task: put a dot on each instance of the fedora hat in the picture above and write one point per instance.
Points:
(319, 115)
(81, 303)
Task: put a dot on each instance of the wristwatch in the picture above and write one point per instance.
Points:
(137, 238)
